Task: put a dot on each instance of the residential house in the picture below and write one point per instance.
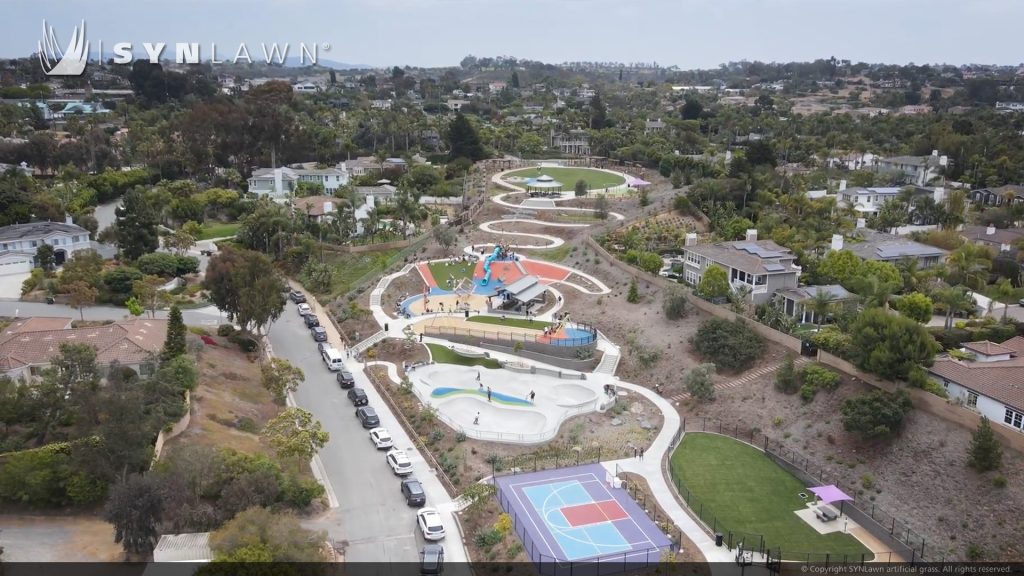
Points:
(990, 382)
(870, 244)
(571, 143)
(653, 126)
(305, 87)
(381, 104)
(29, 346)
(430, 138)
(193, 547)
(319, 208)
(794, 300)
(362, 166)
(1009, 106)
(1008, 194)
(998, 239)
(22, 168)
(868, 201)
(396, 164)
(761, 265)
(455, 104)
(382, 194)
(918, 169)
(281, 182)
(19, 243)
(80, 109)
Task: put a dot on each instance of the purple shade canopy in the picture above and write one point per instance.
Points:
(634, 181)
(829, 494)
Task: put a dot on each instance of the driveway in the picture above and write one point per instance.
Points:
(10, 285)
(27, 538)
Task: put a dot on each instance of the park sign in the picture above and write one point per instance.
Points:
(71, 61)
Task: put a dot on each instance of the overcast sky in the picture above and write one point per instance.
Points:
(687, 33)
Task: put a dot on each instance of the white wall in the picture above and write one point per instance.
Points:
(993, 409)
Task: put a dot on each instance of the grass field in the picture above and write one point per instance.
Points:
(518, 322)
(349, 268)
(443, 355)
(747, 492)
(568, 176)
(442, 271)
(218, 230)
(550, 254)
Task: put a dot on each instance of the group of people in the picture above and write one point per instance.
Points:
(490, 395)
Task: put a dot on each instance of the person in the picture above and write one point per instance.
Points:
(488, 393)
(636, 453)
(532, 396)
(421, 336)
(477, 375)
(477, 419)
(641, 453)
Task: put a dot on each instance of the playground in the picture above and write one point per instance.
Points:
(579, 514)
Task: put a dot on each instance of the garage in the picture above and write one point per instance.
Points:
(15, 264)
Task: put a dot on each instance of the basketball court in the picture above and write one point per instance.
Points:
(578, 515)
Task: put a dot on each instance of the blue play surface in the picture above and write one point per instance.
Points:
(445, 391)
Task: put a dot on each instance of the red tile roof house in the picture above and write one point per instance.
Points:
(992, 383)
(28, 346)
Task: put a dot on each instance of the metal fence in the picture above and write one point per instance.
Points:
(513, 337)
(548, 565)
(906, 544)
(547, 459)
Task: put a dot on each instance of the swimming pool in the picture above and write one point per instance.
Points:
(448, 392)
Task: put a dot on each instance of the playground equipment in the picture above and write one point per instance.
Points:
(487, 265)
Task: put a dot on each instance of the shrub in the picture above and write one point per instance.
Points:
(504, 523)
(714, 283)
(167, 265)
(633, 296)
(819, 377)
(729, 345)
(832, 340)
(488, 538)
(698, 382)
(867, 481)
(34, 281)
(985, 452)
(226, 330)
(807, 392)
(673, 303)
(999, 481)
(785, 378)
(890, 346)
(875, 415)
(300, 493)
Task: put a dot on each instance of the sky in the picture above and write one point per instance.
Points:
(685, 33)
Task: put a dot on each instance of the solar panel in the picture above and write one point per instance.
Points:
(774, 267)
(898, 250)
(758, 250)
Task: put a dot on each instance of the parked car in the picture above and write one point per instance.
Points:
(304, 309)
(381, 438)
(311, 320)
(345, 379)
(319, 334)
(429, 522)
(358, 397)
(332, 358)
(321, 346)
(367, 416)
(432, 560)
(413, 492)
(297, 297)
(399, 462)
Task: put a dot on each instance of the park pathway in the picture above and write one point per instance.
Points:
(746, 378)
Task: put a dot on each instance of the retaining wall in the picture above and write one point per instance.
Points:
(178, 428)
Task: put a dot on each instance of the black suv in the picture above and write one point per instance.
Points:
(319, 334)
(413, 492)
(296, 296)
(358, 397)
(311, 320)
(345, 379)
(367, 417)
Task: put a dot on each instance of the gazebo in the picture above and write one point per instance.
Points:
(829, 494)
(543, 184)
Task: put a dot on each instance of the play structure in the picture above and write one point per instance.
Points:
(487, 265)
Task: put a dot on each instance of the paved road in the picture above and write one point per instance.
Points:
(208, 316)
(104, 213)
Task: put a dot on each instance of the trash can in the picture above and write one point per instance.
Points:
(718, 539)
(385, 326)
(467, 313)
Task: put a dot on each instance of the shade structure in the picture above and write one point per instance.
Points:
(829, 494)
(635, 182)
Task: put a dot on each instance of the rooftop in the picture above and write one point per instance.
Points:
(998, 235)
(193, 547)
(37, 341)
(39, 230)
(876, 245)
(1002, 380)
(755, 257)
(802, 293)
(988, 348)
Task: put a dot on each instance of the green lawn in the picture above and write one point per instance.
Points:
(219, 230)
(442, 271)
(519, 322)
(550, 254)
(444, 355)
(749, 493)
(568, 176)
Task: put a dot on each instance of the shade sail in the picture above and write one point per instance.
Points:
(829, 494)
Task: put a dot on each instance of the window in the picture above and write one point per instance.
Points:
(1014, 418)
(35, 243)
(761, 280)
(972, 400)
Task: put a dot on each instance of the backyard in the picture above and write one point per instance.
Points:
(595, 179)
(750, 493)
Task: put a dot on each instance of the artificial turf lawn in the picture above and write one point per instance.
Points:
(517, 322)
(595, 179)
(444, 355)
(442, 271)
(745, 491)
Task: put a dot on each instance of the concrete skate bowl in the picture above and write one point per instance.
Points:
(496, 423)
(573, 395)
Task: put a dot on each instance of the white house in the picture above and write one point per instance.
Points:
(306, 87)
(918, 169)
(280, 182)
(380, 104)
(1010, 106)
(868, 201)
(992, 383)
(19, 243)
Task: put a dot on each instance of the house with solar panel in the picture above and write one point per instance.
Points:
(760, 265)
(870, 244)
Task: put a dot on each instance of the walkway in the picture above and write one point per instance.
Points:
(749, 377)
(500, 200)
(552, 241)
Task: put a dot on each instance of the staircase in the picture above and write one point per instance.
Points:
(362, 346)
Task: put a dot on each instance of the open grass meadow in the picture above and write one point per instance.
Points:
(746, 492)
(595, 179)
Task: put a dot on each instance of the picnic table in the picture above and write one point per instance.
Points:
(825, 513)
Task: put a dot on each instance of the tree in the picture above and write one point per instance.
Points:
(1003, 292)
(820, 305)
(444, 236)
(841, 267)
(280, 377)
(729, 345)
(135, 509)
(464, 141)
(673, 303)
(45, 257)
(580, 188)
(601, 207)
(174, 344)
(258, 534)
(874, 291)
(137, 220)
(149, 294)
(181, 241)
(84, 266)
(785, 377)
(692, 109)
(875, 415)
(915, 306)
(985, 453)
(80, 296)
(698, 382)
(598, 113)
(969, 265)
(714, 283)
(954, 299)
(245, 284)
(294, 433)
(633, 296)
(134, 307)
(890, 346)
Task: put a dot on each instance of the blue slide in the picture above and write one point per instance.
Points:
(487, 265)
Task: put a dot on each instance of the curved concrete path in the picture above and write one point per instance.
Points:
(500, 200)
(566, 195)
(553, 241)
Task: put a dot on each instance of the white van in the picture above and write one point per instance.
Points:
(334, 360)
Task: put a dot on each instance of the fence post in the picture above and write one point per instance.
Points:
(704, 426)
(720, 424)
(893, 529)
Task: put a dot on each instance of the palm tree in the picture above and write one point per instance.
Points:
(1003, 292)
(970, 264)
(956, 299)
(875, 292)
(820, 305)
(913, 275)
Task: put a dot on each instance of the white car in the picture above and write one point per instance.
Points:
(381, 438)
(399, 462)
(429, 522)
(304, 309)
